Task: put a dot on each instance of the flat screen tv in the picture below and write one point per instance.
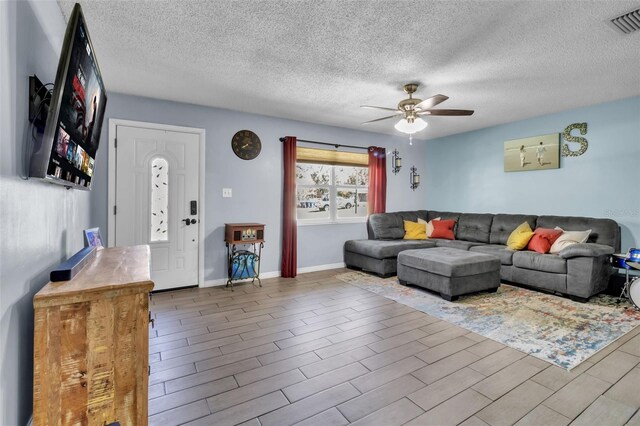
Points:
(66, 153)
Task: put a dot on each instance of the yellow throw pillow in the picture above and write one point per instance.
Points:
(414, 231)
(429, 225)
(520, 237)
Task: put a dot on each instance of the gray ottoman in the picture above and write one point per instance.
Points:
(450, 272)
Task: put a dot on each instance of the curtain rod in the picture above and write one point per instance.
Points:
(336, 145)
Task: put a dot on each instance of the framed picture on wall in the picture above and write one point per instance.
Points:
(92, 237)
(534, 153)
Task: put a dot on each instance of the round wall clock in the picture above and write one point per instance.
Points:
(246, 144)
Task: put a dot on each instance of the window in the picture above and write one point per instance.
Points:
(330, 190)
(159, 199)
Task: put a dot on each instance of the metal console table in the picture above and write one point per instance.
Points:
(243, 264)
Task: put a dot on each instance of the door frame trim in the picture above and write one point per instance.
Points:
(111, 229)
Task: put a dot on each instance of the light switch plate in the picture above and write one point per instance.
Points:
(227, 193)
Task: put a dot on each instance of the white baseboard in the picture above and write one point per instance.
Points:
(321, 267)
(223, 281)
(276, 274)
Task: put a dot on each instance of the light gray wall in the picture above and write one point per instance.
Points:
(465, 171)
(256, 184)
(40, 224)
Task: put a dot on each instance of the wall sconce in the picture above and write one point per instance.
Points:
(396, 161)
(414, 178)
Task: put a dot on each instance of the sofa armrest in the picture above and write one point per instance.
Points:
(586, 250)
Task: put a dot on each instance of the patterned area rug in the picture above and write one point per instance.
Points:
(552, 328)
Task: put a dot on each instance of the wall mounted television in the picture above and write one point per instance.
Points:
(66, 152)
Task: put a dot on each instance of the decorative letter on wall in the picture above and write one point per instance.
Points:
(566, 152)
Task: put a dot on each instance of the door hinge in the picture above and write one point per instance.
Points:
(115, 210)
(115, 143)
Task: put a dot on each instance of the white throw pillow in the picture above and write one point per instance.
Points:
(429, 225)
(569, 238)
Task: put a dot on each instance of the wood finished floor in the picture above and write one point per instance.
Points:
(317, 351)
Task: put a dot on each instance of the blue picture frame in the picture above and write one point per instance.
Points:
(92, 237)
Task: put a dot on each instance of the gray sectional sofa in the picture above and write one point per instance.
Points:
(579, 271)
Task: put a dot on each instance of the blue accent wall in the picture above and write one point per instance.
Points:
(40, 224)
(465, 171)
(256, 184)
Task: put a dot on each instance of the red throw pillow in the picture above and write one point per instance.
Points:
(543, 239)
(443, 229)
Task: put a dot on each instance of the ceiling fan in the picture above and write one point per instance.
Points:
(412, 109)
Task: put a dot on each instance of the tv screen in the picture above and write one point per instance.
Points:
(67, 152)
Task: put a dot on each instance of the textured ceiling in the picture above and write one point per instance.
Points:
(317, 61)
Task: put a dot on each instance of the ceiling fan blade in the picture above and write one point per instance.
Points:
(431, 102)
(446, 112)
(382, 108)
(380, 119)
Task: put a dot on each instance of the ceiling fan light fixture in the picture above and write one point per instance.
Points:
(411, 126)
(411, 108)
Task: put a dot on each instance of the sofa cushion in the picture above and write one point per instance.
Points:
(520, 237)
(443, 229)
(569, 238)
(432, 214)
(389, 226)
(540, 262)
(414, 230)
(386, 226)
(504, 224)
(412, 215)
(585, 250)
(385, 249)
(428, 225)
(603, 231)
(456, 244)
(498, 250)
(543, 239)
(449, 262)
(474, 227)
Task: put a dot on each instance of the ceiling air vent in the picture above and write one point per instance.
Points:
(627, 23)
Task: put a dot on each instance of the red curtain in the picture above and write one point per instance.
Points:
(377, 179)
(289, 225)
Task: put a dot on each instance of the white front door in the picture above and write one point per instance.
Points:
(157, 187)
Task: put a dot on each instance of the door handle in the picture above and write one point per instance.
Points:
(189, 221)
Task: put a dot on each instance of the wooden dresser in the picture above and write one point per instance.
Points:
(91, 343)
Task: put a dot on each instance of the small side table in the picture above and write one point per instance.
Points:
(243, 264)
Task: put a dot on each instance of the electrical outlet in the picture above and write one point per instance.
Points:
(227, 193)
